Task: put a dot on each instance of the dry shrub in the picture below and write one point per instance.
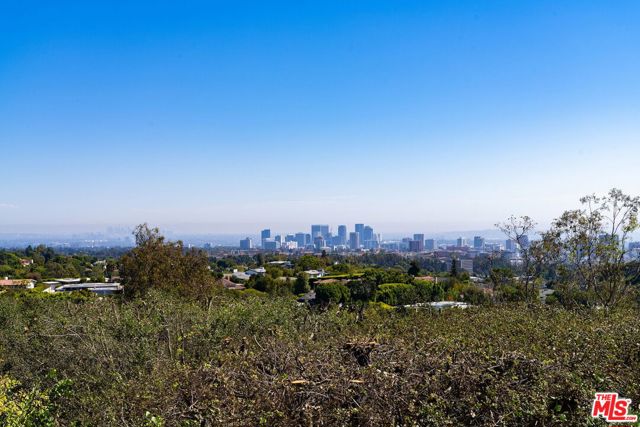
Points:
(255, 361)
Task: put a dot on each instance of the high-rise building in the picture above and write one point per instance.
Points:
(354, 240)
(374, 243)
(430, 245)
(367, 234)
(342, 234)
(270, 245)
(523, 241)
(289, 238)
(264, 235)
(328, 238)
(416, 245)
(478, 242)
(318, 242)
(419, 237)
(510, 245)
(278, 239)
(321, 230)
(300, 240)
(461, 242)
(360, 230)
(246, 244)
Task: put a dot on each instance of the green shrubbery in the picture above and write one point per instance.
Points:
(397, 294)
(242, 360)
(422, 291)
(21, 407)
(332, 293)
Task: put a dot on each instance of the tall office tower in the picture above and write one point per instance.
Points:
(342, 234)
(300, 240)
(367, 234)
(373, 242)
(264, 235)
(416, 245)
(278, 239)
(510, 245)
(478, 242)
(524, 241)
(289, 238)
(360, 230)
(328, 238)
(321, 230)
(318, 242)
(461, 242)
(246, 244)
(420, 239)
(430, 245)
(354, 240)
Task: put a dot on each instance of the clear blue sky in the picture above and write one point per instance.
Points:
(230, 116)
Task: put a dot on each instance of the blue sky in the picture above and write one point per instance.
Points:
(230, 116)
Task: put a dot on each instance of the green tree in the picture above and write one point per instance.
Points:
(259, 259)
(309, 262)
(454, 268)
(397, 294)
(332, 293)
(155, 263)
(301, 284)
(518, 230)
(97, 273)
(263, 283)
(414, 268)
(589, 248)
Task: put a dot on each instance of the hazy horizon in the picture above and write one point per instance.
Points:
(225, 117)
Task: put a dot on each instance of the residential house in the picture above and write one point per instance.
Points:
(314, 274)
(228, 284)
(7, 283)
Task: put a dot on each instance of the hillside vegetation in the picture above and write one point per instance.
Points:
(245, 360)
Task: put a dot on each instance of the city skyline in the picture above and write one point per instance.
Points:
(122, 237)
(220, 118)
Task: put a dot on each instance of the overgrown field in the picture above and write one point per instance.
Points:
(257, 361)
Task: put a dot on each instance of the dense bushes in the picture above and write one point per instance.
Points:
(397, 294)
(332, 293)
(251, 361)
(20, 407)
(422, 291)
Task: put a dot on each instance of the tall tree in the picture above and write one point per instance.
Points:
(454, 268)
(155, 263)
(414, 268)
(518, 230)
(301, 284)
(589, 245)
